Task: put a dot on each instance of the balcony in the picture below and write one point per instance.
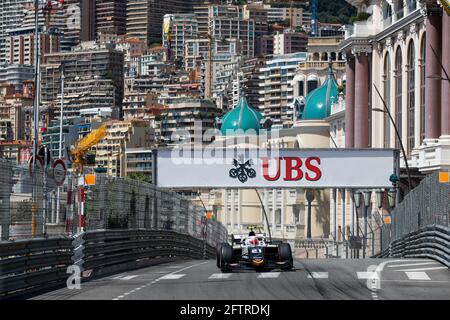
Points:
(320, 65)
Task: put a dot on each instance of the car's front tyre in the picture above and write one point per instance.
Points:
(285, 255)
(226, 257)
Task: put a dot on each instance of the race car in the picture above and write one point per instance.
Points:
(255, 252)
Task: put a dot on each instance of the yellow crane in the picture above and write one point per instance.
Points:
(83, 146)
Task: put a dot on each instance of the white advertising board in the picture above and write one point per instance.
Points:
(288, 168)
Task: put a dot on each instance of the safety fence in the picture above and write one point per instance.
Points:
(428, 242)
(28, 266)
(45, 201)
(419, 221)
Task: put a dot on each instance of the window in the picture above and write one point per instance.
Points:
(312, 84)
(411, 96)
(398, 94)
(422, 89)
(300, 88)
(387, 99)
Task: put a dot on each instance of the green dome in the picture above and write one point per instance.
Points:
(318, 102)
(241, 117)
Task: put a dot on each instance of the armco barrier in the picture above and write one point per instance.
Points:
(27, 266)
(30, 265)
(111, 251)
(428, 242)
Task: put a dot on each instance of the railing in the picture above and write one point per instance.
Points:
(428, 242)
(112, 203)
(28, 266)
(422, 216)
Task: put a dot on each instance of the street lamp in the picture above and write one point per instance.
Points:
(399, 138)
(357, 201)
(367, 195)
(379, 193)
(392, 193)
(357, 198)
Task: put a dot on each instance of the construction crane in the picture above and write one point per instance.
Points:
(83, 146)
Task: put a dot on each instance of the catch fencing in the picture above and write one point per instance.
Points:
(32, 204)
(30, 266)
(420, 221)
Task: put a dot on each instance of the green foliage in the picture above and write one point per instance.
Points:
(335, 11)
(139, 176)
(362, 16)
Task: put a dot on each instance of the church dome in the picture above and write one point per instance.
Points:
(318, 102)
(242, 117)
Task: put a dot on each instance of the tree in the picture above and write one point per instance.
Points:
(140, 176)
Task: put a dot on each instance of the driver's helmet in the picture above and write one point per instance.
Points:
(253, 240)
(252, 233)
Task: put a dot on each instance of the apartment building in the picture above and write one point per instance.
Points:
(289, 42)
(121, 136)
(11, 17)
(93, 78)
(228, 22)
(276, 90)
(16, 75)
(138, 163)
(20, 46)
(300, 16)
(110, 16)
(79, 17)
(15, 114)
(187, 119)
(177, 28)
(145, 17)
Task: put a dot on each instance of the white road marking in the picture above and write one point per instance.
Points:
(412, 264)
(423, 269)
(173, 267)
(118, 277)
(367, 275)
(417, 276)
(172, 276)
(267, 275)
(318, 275)
(128, 277)
(220, 276)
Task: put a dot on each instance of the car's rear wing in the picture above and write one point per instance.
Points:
(239, 238)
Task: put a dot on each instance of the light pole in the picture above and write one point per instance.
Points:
(357, 201)
(265, 214)
(35, 116)
(309, 193)
(367, 194)
(397, 133)
(58, 206)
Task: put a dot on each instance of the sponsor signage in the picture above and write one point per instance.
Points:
(290, 168)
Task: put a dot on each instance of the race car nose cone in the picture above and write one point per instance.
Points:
(258, 261)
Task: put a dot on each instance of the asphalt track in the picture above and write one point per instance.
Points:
(336, 279)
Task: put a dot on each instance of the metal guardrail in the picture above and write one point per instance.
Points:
(131, 248)
(30, 265)
(27, 266)
(428, 242)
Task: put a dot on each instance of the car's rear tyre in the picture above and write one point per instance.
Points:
(219, 245)
(285, 255)
(226, 257)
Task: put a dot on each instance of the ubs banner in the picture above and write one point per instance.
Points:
(244, 168)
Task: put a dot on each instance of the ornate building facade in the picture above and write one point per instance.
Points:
(396, 55)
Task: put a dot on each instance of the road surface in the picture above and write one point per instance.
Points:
(311, 279)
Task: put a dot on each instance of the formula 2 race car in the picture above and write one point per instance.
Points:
(253, 252)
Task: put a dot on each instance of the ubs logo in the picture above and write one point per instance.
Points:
(242, 170)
